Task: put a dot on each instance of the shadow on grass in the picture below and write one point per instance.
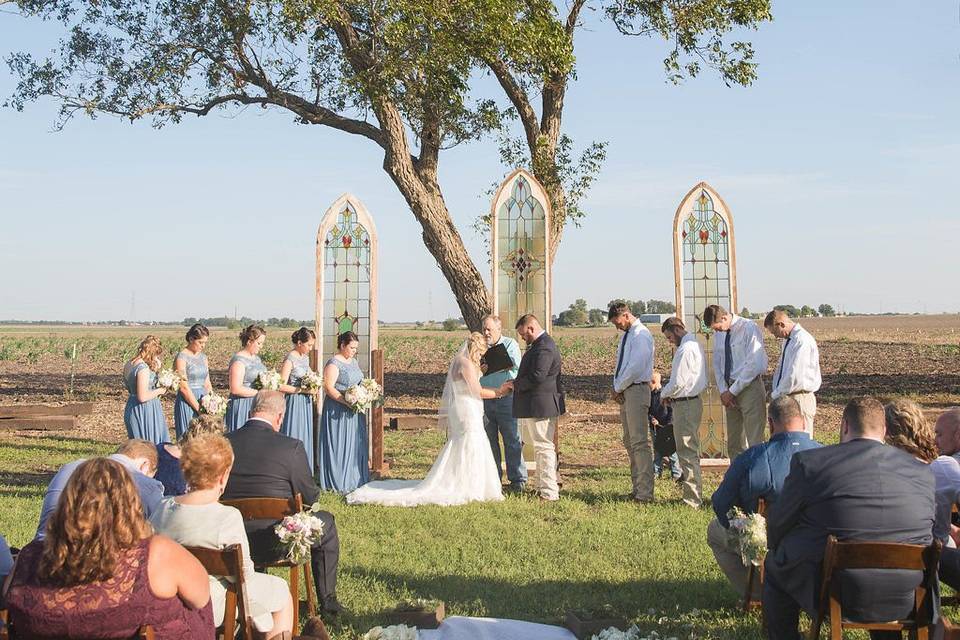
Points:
(547, 601)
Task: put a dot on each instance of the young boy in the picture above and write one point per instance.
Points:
(661, 431)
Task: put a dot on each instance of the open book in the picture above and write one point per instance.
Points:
(497, 358)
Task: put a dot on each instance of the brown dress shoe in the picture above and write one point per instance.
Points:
(315, 628)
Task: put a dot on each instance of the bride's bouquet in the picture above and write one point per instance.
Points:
(311, 382)
(169, 379)
(299, 532)
(213, 404)
(364, 395)
(749, 534)
(268, 380)
(394, 632)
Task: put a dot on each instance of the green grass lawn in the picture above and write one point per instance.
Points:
(515, 559)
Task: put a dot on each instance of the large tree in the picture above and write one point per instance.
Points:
(398, 73)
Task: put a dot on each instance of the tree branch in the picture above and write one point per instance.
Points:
(518, 97)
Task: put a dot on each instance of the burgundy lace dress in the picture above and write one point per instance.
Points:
(114, 608)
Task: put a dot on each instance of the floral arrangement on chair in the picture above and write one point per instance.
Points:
(299, 532)
(749, 533)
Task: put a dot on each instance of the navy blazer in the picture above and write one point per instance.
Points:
(537, 389)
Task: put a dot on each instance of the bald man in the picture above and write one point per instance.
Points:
(946, 469)
(798, 369)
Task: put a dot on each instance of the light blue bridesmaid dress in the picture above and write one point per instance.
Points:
(197, 372)
(344, 461)
(298, 421)
(143, 420)
(238, 409)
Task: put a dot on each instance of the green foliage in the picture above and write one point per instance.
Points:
(597, 317)
(745, 313)
(826, 311)
(575, 316)
(789, 309)
(807, 312)
(660, 306)
(452, 324)
(637, 307)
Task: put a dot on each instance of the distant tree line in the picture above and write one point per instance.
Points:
(579, 315)
(236, 323)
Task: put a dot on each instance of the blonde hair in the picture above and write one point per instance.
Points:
(476, 347)
(99, 515)
(909, 430)
(150, 351)
(136, 448)
(202, 425)
(204, 458)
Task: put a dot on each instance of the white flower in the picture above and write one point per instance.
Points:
(364, 395)
(749, 533)
(394, 632)
(311, 381)
(168, 379)
(268, 380)
(214, 404)
(299, 533)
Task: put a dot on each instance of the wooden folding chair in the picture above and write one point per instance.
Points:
(754, 573)
(277, 509)
(875, 555)
(228, 563)
(6, 633)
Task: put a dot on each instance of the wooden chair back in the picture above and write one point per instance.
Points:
(277, 509)
(876, 555)
(143, 633)
(754, 574)
(228, 563)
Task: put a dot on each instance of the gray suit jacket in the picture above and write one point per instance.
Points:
(862, 490)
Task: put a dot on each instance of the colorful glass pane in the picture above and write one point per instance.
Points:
(521, 260)
(346, 284)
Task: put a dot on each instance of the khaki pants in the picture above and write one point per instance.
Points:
(729, 560)
(747, 420)
(634, 414)
(540, 431)
(686, 430)
(808, 407)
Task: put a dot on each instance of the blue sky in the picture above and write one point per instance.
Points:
(838, 164)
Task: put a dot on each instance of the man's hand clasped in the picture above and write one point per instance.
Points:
(728, 399)
(617, 397)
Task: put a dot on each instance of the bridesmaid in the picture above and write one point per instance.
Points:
(298, 421)
(191, 364)
(143, 415)
(344, 462)
(244, 368)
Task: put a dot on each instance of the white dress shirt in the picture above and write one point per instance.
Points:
(637, 363)
(799, 363)
(688, 374)
(749, 356)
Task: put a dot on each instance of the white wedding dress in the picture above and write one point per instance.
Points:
(464, 471)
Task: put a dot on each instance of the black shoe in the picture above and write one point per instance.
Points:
(515, 488)
(331, 607)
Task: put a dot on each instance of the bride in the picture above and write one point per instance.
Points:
(464, 471)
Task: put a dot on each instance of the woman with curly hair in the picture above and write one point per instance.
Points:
(143, 414)
(245, 366)
(909, 430)
(101, 572)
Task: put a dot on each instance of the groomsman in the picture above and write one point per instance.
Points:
(498, 412)
(739, 362)
(688, 379)
(798, 371)
(631, 389)
(538, 401)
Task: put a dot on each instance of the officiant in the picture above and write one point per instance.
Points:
(499, 365)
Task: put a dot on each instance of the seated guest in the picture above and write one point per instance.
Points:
(6, 560)
(196, 519)
(946, 470)
(139, 457)
(859, 490)
(269, 464)
(756, 473)
(909, 431)
(168, 455)
(100, 572)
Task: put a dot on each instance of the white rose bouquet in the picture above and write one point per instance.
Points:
(268, 380)
(214, 404)
(749, 533)
(311, 382)
(367, 393)
(169, 379)
(394, 632)
(299, 532)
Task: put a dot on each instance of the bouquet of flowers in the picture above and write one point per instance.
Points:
(612, 633)
(364, 395)
(749, 533)
(268, 380)
(311, 382)
(214, 404)
(169, 379)
(394, 632)
(299, 532)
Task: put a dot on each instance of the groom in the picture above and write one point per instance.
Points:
(498, 412)
(538, 400)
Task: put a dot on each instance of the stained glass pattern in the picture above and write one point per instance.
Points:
(521, 264)
(705, 273)
(346, 252)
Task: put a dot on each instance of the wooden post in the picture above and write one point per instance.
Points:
(376, 417)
